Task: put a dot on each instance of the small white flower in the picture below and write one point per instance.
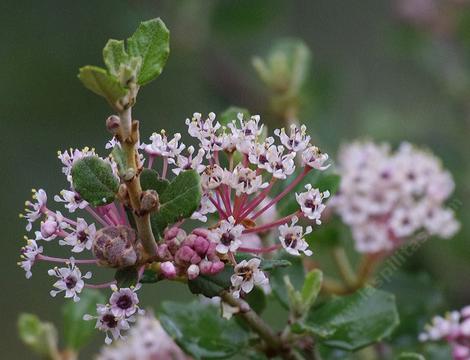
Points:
(246, 275)
(279, 164)
(247, 134)
(28, 256)
(212, 177)
(298, 140)
(292, 238)
(228, 235)
(70, 280)
(246, 181)
(72, 200)
(205, 207)
(314, 158)
(35, 210)
(107, 322)
(124, 302)
(188, 162)
(311, 202)
(258, 154)
(81, 238)
(160, 146)
(112, 143)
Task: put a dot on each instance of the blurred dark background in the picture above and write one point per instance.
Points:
(375, 74)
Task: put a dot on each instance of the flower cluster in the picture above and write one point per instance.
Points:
(237, 207)
(388, 196)
(147, 340)
(454, 328)
(115, 316)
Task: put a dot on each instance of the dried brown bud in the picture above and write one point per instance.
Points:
(149, 201)
(117, 246)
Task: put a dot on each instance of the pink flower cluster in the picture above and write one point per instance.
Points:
(454, 328)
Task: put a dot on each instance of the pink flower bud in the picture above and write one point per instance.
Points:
(201, 245)
(168, 269)
(201, 232)
(164, 253)
(205, 267)
(193, 272)
(184, 255)
(217, 267)
(171, 233)
(48, 228)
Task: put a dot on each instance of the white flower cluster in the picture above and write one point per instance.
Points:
(388, 196)
(453, 328)
(147, 340)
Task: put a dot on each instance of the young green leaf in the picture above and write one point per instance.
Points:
(114, 54)
(179, 200)
(311, 288)
(296, 275)
(40, 336)
(200, 330)
(76, 331)
(102, 83)
(211, 285)
(94, 180)
(354, 321)
(151, 42)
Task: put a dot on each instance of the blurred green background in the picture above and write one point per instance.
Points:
(372, 76)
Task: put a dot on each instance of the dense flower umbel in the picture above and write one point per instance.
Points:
(388, 196)
(454, 328)
(147, 340)
(238, 168)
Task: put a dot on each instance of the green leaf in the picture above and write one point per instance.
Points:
(114, 54)
(354, 321)
(150, 276)
(296, 275)
(200, 330)
(411, 356)
(211, 285)
(151, 41)
(179, 200)
(311, 288)
(270, 264)
(76, 331)
(94, 180)
(102, 83)
(41, 337)
(257, 300)
(126, 277)
(318, 179)
(149, 180)
(231, 113)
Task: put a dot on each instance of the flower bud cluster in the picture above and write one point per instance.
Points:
(189, 255)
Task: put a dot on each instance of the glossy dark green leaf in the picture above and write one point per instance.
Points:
(296, 275)
(126, 277)
(102, 83)
(149, 276)
(94, 180)
(200, 330)
(211, 285)
(76, 331)
(354, 321)
(257, 300)
(179, 200)
(151, 42)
